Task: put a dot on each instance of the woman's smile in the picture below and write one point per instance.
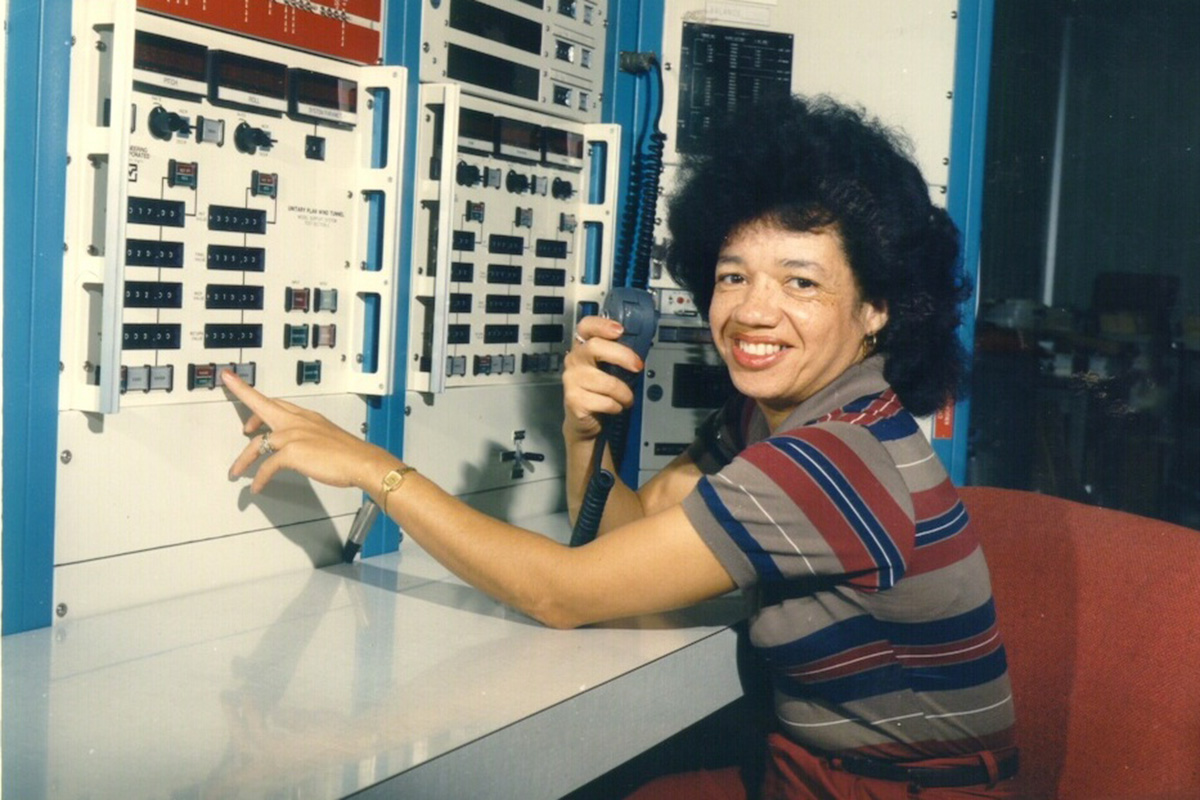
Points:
(757, 354)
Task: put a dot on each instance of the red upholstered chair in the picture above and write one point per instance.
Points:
(1100, 612)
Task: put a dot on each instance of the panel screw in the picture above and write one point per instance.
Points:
(61, 609)
(65, 456)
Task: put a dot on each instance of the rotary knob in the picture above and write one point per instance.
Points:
(248, 139)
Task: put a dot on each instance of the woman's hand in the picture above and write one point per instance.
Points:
(304, 441)
(588, 391)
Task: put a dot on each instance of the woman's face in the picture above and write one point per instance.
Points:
(786, 314)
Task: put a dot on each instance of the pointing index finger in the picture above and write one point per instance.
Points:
(255, 400)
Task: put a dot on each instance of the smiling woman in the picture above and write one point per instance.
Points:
(831, 286)
(787, 315)
(813, 166)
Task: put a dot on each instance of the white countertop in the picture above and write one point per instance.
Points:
(387, 677)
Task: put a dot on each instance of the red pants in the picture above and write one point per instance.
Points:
(793, 773)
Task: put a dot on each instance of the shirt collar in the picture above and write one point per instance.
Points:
(859, 380)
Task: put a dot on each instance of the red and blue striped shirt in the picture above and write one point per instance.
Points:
(874, 608)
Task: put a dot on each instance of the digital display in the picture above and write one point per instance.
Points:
(524, 135)
(478, 126)
(563, 143)
(492, 72)
(496, 25)
(164, 55)
(324, 91)
(246, 74)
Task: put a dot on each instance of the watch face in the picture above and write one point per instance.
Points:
(392, 480)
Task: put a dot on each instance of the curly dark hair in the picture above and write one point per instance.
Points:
(808, 164)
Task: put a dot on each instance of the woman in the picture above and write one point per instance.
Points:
(832, 287)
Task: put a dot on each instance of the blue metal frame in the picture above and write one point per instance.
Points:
(38, 70)
(964, 199)
(385, 417)
(635, 26)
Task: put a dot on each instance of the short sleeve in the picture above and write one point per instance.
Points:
(817, 505)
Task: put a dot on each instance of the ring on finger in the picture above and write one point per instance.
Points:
(264, 447)
(580, 339)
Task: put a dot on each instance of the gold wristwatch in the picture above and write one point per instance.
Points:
(392, 482)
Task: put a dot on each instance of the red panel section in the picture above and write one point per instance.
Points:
(943, 422)
(347, 29)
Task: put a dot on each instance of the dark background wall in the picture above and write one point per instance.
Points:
(1131, 171)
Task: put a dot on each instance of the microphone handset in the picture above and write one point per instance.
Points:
(635, 310)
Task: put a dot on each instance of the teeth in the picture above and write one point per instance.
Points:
(760, 348)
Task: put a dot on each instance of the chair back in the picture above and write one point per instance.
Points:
(1100, 612)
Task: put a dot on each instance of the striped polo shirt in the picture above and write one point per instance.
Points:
(874, 607)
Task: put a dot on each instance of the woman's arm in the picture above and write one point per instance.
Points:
(655, 563)
(590, 394)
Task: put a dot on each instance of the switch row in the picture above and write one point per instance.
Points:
(466, 174)
(304, 299)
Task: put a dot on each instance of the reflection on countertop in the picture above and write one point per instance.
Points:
(310, 684)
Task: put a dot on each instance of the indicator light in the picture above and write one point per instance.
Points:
(325, 300)
(324, 336)
(296, 299)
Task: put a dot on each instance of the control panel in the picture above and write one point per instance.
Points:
(546, 55)
(513, 240)
(231, 204)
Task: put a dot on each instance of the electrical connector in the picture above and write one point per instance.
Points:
(636, 63)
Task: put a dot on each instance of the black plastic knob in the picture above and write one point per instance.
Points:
(248, 139)
(516, 182)
(467, 174)
(561, 189)
(165, 124)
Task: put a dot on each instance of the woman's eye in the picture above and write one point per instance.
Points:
(730, 277)
(800, 283)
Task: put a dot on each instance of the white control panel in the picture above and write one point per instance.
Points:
(513, 241)
(235, 204)
(232, 204)
(512, 244)
(546, 55)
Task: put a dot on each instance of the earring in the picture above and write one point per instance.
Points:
(868, 346)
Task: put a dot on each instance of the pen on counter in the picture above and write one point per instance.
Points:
(359, 529)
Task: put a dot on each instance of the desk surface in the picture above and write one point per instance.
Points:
(383, 677)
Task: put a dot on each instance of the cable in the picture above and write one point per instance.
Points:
(634, 247)
(650, 172)
(636, 241)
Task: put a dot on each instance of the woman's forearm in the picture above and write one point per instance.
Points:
(623, 504)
